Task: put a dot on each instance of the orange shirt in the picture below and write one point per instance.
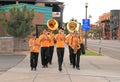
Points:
(60, 40)
(52, 37)
(68, 39)
(34, 45)
(44, 40)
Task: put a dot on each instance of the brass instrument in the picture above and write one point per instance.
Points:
(52, 24)
(49, 36)
(77, 47)
(73, 26)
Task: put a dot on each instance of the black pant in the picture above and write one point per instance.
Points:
(70, 55)
(34, 59)
(51, 50)
(76, 58)
(60, 54)
(44, 55)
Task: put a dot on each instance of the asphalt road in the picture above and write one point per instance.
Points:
(9, 61)
(108, 47)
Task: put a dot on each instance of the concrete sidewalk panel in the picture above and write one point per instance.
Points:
(16, 76)
(75, 78)
(52, 78)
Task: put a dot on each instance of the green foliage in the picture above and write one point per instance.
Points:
(40, 29)
(97, 31)
(91, 53)
(19, 22)
(65, 28)
(2, 18)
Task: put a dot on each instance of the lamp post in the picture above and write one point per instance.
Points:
(61, 6)
(86, 6)
(36, 28)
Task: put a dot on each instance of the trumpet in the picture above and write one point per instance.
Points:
(33, 45)
(49, 36)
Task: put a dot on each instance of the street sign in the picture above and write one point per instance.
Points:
(86, 24)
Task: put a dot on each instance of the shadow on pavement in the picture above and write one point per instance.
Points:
(9, 61)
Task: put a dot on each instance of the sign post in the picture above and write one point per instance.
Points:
(99, 45)
(86, 27)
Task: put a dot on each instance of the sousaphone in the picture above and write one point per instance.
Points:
(52, 24)
(72, 26)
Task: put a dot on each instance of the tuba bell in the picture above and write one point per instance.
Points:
(52, 24)
(72, 26)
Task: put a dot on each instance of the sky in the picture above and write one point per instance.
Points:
(76, 9)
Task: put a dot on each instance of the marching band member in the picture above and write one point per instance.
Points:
(60, 44)
(34, 51)
(51, 45)
(68, 38)
(76, 50)
(44, 40)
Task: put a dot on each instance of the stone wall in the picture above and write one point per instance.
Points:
(10, 44)
(21, 44)
(6, 44)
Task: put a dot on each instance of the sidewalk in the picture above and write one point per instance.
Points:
(93, 69)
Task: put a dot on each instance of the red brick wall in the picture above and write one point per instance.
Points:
(38, 18)
(40, 4)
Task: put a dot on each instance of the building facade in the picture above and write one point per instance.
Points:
(115, 23)
(104, 23)
(110, 24)
(44, 10)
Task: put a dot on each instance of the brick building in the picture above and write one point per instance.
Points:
(44, 10)
(110, 24)
(115, 23)
(104, 23)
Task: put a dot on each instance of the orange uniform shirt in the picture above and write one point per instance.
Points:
(52, 37)
(34, 45)
(68, 38)
(60, 40)
(44, 40)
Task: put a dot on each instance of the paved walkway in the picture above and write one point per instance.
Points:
(93, 69)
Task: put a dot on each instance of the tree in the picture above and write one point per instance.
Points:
(19, 22)
(97, 31)
(2, 18)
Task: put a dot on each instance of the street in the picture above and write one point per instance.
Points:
(108, 47)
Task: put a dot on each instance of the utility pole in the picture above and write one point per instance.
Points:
(86, 6)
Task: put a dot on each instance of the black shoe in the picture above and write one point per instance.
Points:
(73, 67)
(31, 68)
(77, 68)
(43, 66)
(35, 68)
(50, 63)
(60, 69)
(46, 66)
